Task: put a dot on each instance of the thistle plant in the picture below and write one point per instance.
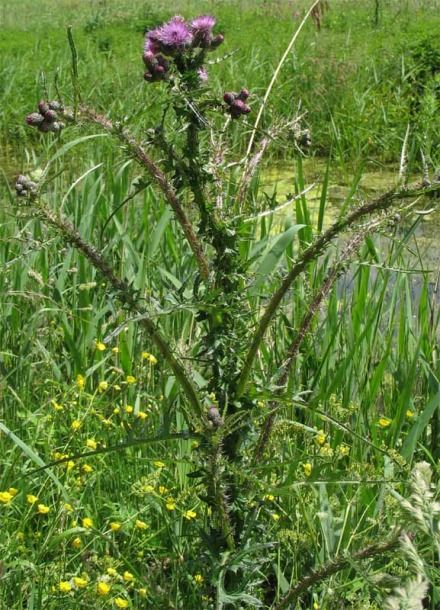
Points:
(222, 377)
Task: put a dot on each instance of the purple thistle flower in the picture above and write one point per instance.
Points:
(204, 23)
(171, 37)
(201, 28)
(203, 75)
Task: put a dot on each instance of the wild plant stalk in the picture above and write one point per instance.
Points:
(227, 344)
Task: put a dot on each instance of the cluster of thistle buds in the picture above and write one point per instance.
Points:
(25, 187)
(236, 103)
(179, 39)
(47, 117)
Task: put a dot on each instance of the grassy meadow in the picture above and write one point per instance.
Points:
(160, 446)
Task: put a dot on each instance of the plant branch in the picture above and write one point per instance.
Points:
(70, 235)
(155, 172)
(378, 204)
(338, 564)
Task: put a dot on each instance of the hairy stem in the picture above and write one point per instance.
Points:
(310, 254)
(333, 567)
(156, 173)
(70, 235)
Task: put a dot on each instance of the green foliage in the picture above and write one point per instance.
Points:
(149, 452)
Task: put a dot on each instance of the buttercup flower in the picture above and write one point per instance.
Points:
(80, 582)
(43, 509)
(190, 514)
(100, 346)
(115, 526)
(128, 576)
(103, 588)
(120, 602)
(5, 497)
(198, 578)
(31, 498)
(64, 586)
(141, 524)
(87, 522)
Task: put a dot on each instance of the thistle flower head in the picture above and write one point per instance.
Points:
(171, 37)
(201, 28)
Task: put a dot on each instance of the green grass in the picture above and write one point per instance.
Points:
(361, 405)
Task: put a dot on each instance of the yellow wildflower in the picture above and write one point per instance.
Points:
(198, 578)
(269, 497)
(103, 386)
(56, 406)
(31, 498)
(103, 588)
(384, 422)
(87, 468)
(152, 359)
(91, 443)
(129, 409)
(117, 387)
(159, 464)
(276, 517)
(5, 497)
(116, 410)
(307, 469)
(80, 582)
(68, 507)
(112, 572)
(190, 514)
(128, 576)
(121, 603)
(87, 522)
(142, 414)
(80, 382)
(326, 450)
(141, 524)
(320, 438)
(343, 450)
(100, 346)
(64, 586)
(106, 422)
(145, 355)
(409, 413)
(76, 543)
(143, 592)
(70, 464)
(170, 504)
(115, 350)
(43, 509)
(115, 526)
(75, 425)
(13, 491)
(130, 379)
(162, 490)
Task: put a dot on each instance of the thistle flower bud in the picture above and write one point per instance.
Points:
(243, 95)
(214, 417)
(35, 119)
(55, 105)
(217, 41)
(25, 187)
(51, 116)
(229, 97)
(43, 107)
(238, 108)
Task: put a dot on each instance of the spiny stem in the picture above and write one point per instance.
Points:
(160, 179)
(333, 567)
(71, 236)
(310, 254)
